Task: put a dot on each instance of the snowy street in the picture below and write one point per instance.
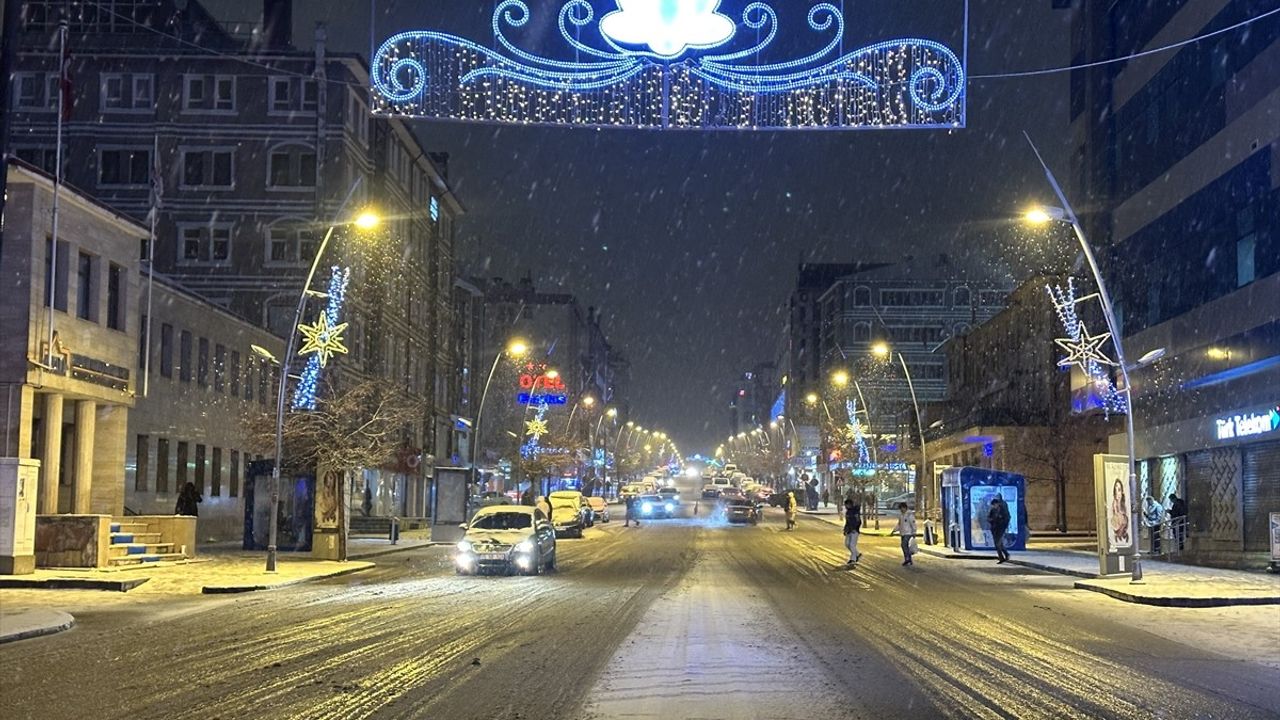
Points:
(678, 618)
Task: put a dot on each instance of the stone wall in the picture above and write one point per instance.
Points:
(72, 540)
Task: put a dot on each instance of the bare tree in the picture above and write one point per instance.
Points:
(363, 425)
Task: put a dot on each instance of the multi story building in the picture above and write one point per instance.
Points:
(1009, 407)
(258, 145)
(1179, 165)
(754, 392)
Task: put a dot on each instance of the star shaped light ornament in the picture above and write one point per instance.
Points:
(323, 339)
(668, 27)
(535, 428)
(1084, 349)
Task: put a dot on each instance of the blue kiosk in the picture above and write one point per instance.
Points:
(966, 497)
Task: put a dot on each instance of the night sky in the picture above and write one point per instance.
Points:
(688, 241)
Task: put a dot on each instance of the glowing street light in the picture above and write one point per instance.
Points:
(367, 220)
(880, 349)
(516, 348)
(840, 378)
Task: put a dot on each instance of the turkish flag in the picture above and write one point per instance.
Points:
(64, 82)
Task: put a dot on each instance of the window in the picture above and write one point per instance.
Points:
(215, 473)
(141, 465)
(113, 95)
(862, 296)
(248, 379)
(86, 297)
(162, 465)
(207, 168)
(962, 297)
(290, 244)
(358, 120)
(124, 167)
(63, 273)
(290, 167)
(224, 93)
(434, 205)
(289, 94)
(193, 95)
(166, 350)
(1246, 249)
(233, 373)
(44, 158)
(182, 466)
(263, 375)
(201, 451)
(862, 332)
(115, 297)
(143, 92)
(202, 370)
(233, 476)
(219, 367)
(184, 356)
(35, 91)
(144, 342)
(205, 244)
(912, 298)
(127, 92)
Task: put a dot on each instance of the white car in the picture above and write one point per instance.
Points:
(507, 539)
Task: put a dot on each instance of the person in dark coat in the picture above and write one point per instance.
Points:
(1178, 519)
(632, 512)
(188, 498)
(852, 529)
(998, 519)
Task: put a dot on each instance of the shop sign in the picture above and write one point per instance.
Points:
(1247, 424)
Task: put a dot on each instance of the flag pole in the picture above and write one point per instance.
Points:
(63, 79)
(151, 260)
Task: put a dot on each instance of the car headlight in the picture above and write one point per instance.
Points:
(646, 507)
(524, 546)
(464, 546)
(670, 507)
(676, 498)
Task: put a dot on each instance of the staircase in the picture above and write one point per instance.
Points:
(133, 544)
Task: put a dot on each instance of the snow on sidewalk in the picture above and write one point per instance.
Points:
(22, 624)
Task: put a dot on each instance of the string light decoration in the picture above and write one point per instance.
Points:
(1085, 350)
(534, 430)
(857, 432)
(670, 64)
(323, 339)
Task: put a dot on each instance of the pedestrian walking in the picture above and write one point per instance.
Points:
(632, 513)
(1178, 519)
(906, 527)
(1153, 518)
(188, 498)
(998, 519)
(791, 510)
(852, 529)
(826, 498)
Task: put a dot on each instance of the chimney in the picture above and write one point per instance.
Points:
(277, 24)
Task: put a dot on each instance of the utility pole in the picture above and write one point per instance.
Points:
(8, 59)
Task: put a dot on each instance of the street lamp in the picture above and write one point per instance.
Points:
(882, 350)
(367, 220)
(1065, 213)
(516, 348)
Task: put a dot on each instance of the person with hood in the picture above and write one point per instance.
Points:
(1153, 518)
(906, 527)
(791, 510)
(998, 519)
(188, 498)
(852, 528)
(1178, 519)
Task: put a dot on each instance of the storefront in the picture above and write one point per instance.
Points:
(1226, 466)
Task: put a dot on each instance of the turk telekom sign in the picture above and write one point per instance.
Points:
(1250, 424)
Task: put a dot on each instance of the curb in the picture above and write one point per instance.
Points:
(1185, 602)
(232, 589)
(72, 584)
(65, 624)
(395, 549)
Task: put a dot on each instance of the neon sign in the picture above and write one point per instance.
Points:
(671, 64)
(1247, 424)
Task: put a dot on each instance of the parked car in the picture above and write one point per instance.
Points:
(507, 539)
(908, 497)
(655, 506)
(570, 514)
(599, 508)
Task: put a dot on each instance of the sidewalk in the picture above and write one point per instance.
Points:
(215, 575)
(33, 623)
(1165, 584)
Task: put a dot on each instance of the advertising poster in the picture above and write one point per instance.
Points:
(1275, 537)
(1118, 509)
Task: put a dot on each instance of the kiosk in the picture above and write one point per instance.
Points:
(966, 497)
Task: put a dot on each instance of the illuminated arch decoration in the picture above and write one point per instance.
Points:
(1085, 350)
(324, 339)
(670, 64)
(857, 431)
(534, 430)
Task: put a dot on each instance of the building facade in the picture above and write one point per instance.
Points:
(1009, 407)
(1180, 154)
(252, 148)
(68, 367)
